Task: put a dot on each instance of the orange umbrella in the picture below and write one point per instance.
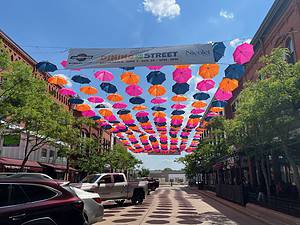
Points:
(177, 117)
(146, 123)
(144, 137)
(179, 98)
(100, 120)
(57, 80)
(131, 136)
(228, 84)
(115, 97)
(130, 78)
(126, 117)
(89, 90)
(217, 109)
(199, 104)
(105, 112)
(181, 66)
(140, 107)
(159, 114)
(82, 107)
(209, 71)
(157, 90)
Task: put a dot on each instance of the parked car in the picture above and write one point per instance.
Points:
(93, 209)
(153, 184)
(26, 175)
(114, 186)
(38, 202)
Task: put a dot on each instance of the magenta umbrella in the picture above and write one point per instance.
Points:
(158, 100)
(154, 67)
(88, 113)
(95, 99)
(104, 75)
(182, 75)
(205, 85)
(64, 64)
(176, 122)
(110, 118)
(178, 106)
(160, 120)
(212, 114)
(128, 121)
(197, 111)
(222, 95)
(141, 114)
(119, 105)
(67, 91)
(134, 90)
(243, 53)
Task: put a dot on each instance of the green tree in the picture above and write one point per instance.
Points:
(144, 172)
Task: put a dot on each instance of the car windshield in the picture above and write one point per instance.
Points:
(90, 178)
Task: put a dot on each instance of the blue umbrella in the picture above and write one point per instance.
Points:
(195, 116)
(235, 71)
(134, 142)
(218, 104)
(156, 77)
(158, 108)
(137, 100)
(178, 112)
(130, 125)
(80, 79)
(123, 111)
(107, 127)
(108, 88)
(115, 121)
(142, 119)
(152, 139)
(95, 117)
(173, 135)
(45, 67)
(76, 101)
(201, 96)
(180, 89)
(101, 106)
(160, 124)
(127, 68)
(218, 50)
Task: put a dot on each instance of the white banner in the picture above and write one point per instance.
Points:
(133, 57)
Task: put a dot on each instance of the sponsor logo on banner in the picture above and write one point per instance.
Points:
(133, 57)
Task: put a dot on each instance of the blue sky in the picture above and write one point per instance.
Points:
(46, 29)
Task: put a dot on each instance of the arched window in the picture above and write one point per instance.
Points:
(289, 44)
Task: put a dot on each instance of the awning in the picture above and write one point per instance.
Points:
(16, 164)
(58, 168)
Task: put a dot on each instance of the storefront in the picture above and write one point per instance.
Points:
(58, 171)
(14, 165)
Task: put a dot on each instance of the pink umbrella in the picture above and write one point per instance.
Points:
(134, 90)
(128, 121)
(110, 118)
(205, 85)
(121, 127)
(160, 120)
(142, 114)
(222, 95)
(95, 99)
(104, 75)
(178, 106)
(158, 100)
(64, 64)
(212, 114)
(182, 75)
(119, 105)
(243, 53)
(197, 111)
(67, 91)
(185, 133)
(88, 113)
(154, 67)
(176, 122)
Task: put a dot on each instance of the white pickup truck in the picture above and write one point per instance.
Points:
(114, 186)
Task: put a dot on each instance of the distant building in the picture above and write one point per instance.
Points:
(165, 177)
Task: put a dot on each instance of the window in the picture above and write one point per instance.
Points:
(52, 153)
(289, 44)
(11, 140)
(38, 193)
(44, 153)
(4, 194)
(118, 178)
(17, 195)
(105, 179)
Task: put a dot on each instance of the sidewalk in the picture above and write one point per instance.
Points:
(265, 215)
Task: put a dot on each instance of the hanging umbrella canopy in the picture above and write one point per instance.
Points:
(157, 90)
(140, 107)
(222, 95)
(218, 50)
(115, 97)
(199, 104)
(105, 112)
(179, 98)
(243, 53)
(137, 100)
(130, 78)
(158, 100)
(76, 101)
(104, 75)
(108, 88)
(154, 67)
(205, 85)
(82, 107)
(201, 96)
(45, 67)
(156, 77)
(89, 90)
(58, 80)
(101, 106)
(182, 75)
(80, 79)
(67, 91)
(209, 71)
(228, 85)
(95, 99)
(88, 113)
(180, 89)
(123, 112)
(235, 71)
(119, 105)
(178, 112)
(134, 90)
(158, 108)
(197, 111)
(178, 106)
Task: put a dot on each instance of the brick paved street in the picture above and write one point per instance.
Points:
(175, 205)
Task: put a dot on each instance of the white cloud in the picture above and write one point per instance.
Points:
(235, 42)
(227, 15)
(162, 8)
